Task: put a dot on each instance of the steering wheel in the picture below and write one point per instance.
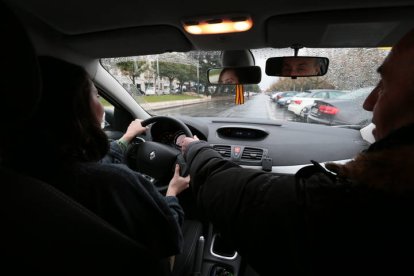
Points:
(155, 159)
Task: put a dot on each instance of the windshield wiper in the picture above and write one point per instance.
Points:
(357, 127)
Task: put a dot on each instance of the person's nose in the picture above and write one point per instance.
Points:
(371, 100)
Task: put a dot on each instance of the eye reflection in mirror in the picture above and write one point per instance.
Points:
(228, 76)
(297, 66)
(235, 75)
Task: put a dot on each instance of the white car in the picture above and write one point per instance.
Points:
(275, 96)
(299, 105)
(150, 91)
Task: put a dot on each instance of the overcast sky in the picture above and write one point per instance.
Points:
(266, 80)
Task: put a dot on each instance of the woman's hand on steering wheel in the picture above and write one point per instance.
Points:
(135, 128)
(158, 160)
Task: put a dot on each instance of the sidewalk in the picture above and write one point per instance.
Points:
(169, 104)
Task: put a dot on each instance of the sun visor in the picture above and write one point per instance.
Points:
(351, 28)
(130, 42)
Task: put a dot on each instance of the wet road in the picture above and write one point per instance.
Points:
(259, 106)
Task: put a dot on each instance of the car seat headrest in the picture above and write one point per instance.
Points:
(237, 58)
(20, 90)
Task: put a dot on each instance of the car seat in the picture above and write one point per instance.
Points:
(42, 230)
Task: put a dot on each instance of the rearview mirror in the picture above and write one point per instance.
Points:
(235, 75)
(297, 66)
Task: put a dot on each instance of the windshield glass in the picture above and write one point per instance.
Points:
(358, 93)
(176, 83)
(303, 94)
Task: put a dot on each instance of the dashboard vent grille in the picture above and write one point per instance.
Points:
(252, 154)
(225, 151)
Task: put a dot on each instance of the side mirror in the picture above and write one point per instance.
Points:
(297, 66)
(235, 75)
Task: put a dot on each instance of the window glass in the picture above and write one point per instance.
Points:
(176, 83)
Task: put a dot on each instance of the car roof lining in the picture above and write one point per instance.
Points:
(351, 28)
(130, 42)
(280, 25)
(97, 15)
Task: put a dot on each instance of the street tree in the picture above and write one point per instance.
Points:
(132, 68)
(206, 60)
(186, 74)
(301, 84)
(169, 70)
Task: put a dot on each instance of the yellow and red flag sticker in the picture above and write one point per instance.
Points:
(239, 94)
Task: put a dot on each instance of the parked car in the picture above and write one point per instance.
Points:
(285, 100)
(344, 110)
(150, 91)
(286, 94)
(300, 105)
(275, 96)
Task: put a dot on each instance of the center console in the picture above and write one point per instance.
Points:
(219, 258)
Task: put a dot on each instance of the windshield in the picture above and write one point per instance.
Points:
(359, 93)
(176, 83)
(303, 94)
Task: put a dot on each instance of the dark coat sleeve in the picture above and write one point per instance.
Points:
(258, 212)
(264, 216)
(115, 154)
(132, 204)
(312, 223)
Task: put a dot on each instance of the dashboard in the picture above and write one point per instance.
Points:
(167, 134)
(265, 144)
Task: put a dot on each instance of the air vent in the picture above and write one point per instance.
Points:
(225, 151)
(252, 154)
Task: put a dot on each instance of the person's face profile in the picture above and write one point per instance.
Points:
(95, 103)
(299, 67)
(228, 77)
(391, 100)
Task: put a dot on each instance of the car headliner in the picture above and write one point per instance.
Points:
(97, 28)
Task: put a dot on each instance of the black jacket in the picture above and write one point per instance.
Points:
(127, 201)
(316, 222)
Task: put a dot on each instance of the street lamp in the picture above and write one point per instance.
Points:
(157, 77)
(198, 73)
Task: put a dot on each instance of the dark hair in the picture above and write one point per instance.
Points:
(64, 128)
(67, 95)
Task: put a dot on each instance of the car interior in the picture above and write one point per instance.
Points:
(46, 231)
